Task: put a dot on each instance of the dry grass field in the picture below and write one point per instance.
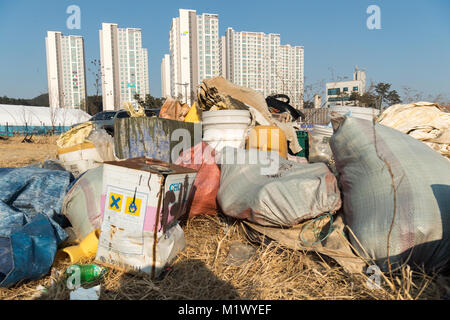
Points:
(201, 270)
(14, 153)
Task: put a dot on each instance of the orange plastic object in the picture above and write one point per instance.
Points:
(268, 138)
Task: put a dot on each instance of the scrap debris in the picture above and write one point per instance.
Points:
(355, 191)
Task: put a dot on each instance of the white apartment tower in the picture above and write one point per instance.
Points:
(208, 46)
(66, 70)
(124, 66)
(194, 52)
(223, 57)
(257, 60)
(165, 76)
(292, 73)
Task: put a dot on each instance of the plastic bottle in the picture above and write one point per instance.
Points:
(87, 272)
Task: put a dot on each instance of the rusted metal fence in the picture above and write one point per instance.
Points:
(316, 116)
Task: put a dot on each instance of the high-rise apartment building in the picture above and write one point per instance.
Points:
(208, 46)
(258, 61)
(66, 70)
(223, 57)
(124, 66)
(165, 76)
(292, 73)
(194, 52)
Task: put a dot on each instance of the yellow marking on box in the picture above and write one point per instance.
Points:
(115, 201)
(133, 208)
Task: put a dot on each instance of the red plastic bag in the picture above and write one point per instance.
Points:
(201, 157)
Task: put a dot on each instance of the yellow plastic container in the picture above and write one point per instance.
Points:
(86, 249)
(268, 138)
(192, 115)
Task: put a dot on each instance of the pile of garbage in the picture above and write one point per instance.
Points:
(361, 192)
(424, 121)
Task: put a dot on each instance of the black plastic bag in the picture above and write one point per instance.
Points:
(278, 106)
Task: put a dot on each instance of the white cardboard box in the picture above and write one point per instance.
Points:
(141, 201)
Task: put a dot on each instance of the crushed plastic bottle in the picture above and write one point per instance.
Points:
(78, 274)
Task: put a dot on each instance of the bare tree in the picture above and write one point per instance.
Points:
(53, 116)
(63, 117)
(411, 95)
(312, 89)
(53, 111)
(26, 117)
(97, 72)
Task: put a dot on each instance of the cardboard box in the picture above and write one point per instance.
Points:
(141, 201)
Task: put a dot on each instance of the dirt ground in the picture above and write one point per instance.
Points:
(14, 153)
(202, 271)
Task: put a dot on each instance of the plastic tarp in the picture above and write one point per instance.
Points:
(132, 112)
(365, 154)
(81, 204)
(202, 158)
(74, 136)
(424, 121)
(282, 194)
(31, 226)
(17, 115)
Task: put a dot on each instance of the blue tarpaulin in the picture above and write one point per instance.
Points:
(31, 223)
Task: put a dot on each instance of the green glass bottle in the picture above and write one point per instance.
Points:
(87, 272)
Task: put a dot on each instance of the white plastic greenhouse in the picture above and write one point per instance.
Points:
(38, 120)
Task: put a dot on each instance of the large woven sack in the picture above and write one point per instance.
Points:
(280, 194)
(365, 154)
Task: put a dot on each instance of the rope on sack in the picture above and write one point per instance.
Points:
(316, 231)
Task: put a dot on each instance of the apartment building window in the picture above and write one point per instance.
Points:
(334, 91)
(355, 88)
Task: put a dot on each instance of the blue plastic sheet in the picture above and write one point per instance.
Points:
(31, 223)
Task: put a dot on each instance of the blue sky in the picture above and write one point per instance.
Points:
(412, 48)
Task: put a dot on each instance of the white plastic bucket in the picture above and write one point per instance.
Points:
(357, 112)
(225, 128)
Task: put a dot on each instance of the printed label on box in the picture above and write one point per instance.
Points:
(123, 220)
(115, 201)
(133, 206)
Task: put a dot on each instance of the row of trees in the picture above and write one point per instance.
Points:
(377, 96)
(41, 100)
